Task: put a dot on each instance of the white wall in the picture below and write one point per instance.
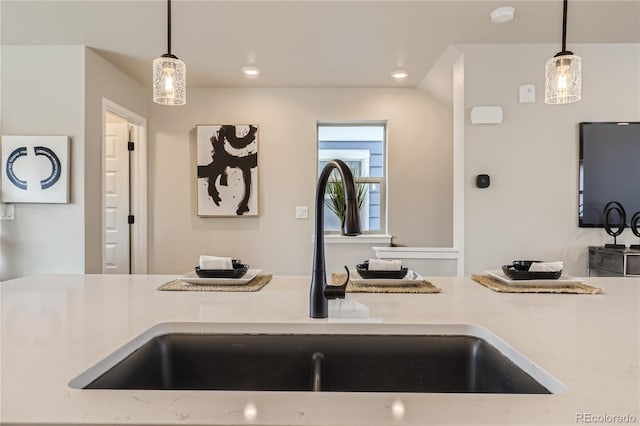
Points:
(43, 94)
(528, 212)
(530, 209)
(419, 175)
(102, 79)
(55, 90)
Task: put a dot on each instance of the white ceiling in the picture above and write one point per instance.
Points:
(305, 43)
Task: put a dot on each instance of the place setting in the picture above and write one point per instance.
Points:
(383, 276)
(215, 273)
(533, 276)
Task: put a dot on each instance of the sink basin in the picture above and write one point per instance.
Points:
(422, 363)
(277, 362)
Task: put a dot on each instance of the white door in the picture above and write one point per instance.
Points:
(116, 238)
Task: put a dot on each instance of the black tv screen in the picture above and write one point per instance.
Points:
(609, 171)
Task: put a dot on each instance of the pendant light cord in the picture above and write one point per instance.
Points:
(564, 26)
(169, 26)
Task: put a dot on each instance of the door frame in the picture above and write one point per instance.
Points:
(137, 186)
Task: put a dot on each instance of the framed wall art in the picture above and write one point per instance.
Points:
(35, 169)
(227, 169)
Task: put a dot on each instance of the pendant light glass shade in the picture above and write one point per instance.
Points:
(563, 72)
(563, 79)
(169, 81)
(169, 74)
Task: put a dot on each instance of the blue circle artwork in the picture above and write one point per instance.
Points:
(48, 182)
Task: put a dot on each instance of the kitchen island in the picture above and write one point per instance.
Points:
(56, 327)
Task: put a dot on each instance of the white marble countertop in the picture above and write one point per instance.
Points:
(55, 327)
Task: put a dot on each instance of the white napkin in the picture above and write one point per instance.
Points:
(385, 265)
(546, 266)
(215, 262)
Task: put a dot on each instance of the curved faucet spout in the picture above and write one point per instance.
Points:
(319, 305)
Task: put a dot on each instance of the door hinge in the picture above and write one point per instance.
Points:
(130, 219)
(130, 146)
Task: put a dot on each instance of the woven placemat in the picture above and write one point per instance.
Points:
(254, 285)
(423, 286)
(497, 285)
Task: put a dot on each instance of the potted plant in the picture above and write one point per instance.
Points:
(336, 198)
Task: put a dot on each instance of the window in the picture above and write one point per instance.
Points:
(362, 147)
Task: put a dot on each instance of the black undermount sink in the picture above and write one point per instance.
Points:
(320, 362)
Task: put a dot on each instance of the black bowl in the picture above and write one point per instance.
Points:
(239, 269)
(364, 272)
(515, 274)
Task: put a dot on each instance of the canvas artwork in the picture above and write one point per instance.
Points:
(35, 169)
(227, 170)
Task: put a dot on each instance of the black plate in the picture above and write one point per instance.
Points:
(239, 269)
(514, 274)
(364, 272)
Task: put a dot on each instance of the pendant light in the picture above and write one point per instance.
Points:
(169, 74)
(563, 76)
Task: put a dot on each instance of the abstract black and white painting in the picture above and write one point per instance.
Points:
(227, 170)
(35, 169)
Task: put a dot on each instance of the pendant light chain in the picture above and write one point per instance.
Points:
(169, 26)
(564, 25)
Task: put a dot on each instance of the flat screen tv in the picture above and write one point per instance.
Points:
(609, 171)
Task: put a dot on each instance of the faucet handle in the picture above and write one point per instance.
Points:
(337, 291)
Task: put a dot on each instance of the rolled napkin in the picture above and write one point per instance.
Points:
(546, 266)
(215, 262)
(385, 265)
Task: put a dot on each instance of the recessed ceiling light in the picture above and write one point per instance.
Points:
(399, 74)
(502, 15)
(250, 71)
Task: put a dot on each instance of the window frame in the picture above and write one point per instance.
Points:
(358, 155)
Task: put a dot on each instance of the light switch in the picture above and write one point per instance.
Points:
(302, 212)
(6, 211)
(527, 94)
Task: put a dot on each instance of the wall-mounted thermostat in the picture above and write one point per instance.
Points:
(483, 181)
(486, 115)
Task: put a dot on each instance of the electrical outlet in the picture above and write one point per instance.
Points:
(302, 212)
